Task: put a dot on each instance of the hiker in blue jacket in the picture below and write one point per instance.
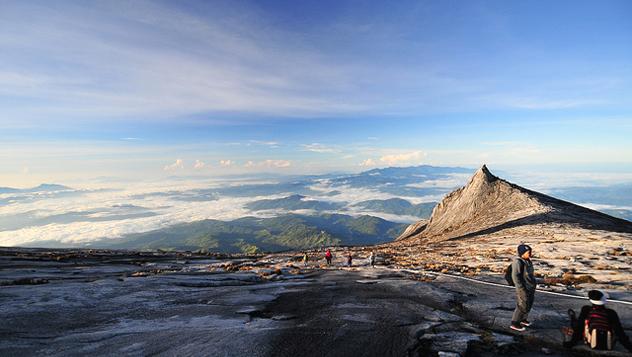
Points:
(524, 280)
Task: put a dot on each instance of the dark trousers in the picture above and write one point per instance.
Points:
(524, 302)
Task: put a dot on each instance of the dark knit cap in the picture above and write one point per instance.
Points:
(523, 248)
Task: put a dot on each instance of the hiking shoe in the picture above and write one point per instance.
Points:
(517, 328)
(525, 323)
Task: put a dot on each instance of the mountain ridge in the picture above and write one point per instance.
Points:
(488, 202)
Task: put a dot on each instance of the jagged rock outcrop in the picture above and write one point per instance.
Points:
(413, 229)
(488, 203)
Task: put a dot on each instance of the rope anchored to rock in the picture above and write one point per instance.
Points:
(414, 271)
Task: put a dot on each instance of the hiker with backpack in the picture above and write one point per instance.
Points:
(522, 277)
(598, 325)
(328, 256)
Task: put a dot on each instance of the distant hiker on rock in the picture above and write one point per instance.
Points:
(524, 280)
(598, 325)
(328, 256)
(305, 259)
(372, 259)
(349, 259)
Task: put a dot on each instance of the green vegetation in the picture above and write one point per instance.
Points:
(399, 206)
(290, 203)
(251, 235)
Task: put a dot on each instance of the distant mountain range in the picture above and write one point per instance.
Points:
(615, 195)
(250, 234)
(45, 187)
(402, 181)
(333, 194)
(291, 203)
(398, 206)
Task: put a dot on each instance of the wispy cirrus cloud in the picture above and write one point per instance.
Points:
(453, 181)
(270, 144)
(278, 164)
(320, 148)
(162, 60)
(132, 60)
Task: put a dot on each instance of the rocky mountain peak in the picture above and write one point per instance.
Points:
(488, 203)
(483, 175)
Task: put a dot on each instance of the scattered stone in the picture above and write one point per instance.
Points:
(283, 317)
(418, 330)
(25, 281)
(367, 281)
(457, 342)
(501, 340)
(448, 354)
(248, 310)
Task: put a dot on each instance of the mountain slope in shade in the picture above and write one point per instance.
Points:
(251, 234)
(398, 206)
(290, 203)
(488, 204)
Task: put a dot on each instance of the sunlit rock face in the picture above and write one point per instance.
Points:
(488, 203)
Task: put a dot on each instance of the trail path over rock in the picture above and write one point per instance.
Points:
(268, 307)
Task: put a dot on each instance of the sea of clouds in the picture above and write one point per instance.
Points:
(78, 216)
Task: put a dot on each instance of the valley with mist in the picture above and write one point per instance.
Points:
(258, 285)
(253, 214)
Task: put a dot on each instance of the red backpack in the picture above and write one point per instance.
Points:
(597, 331)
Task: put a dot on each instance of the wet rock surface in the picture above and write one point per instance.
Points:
(104, 304)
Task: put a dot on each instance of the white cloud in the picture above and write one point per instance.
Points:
(179, 164)
(279, 164)
(158, 59)
(271, 144)
(367, 163)
(199, 165)
(407, 158)
(235, 67)
(226, 163)
(599, 207)
(545, 181)
(319, 148)
(455, 180)
(354, 195)
(169, 211)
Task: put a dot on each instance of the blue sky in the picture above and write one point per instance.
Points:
(156, 89)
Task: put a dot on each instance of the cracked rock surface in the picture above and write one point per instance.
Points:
(262, 306)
